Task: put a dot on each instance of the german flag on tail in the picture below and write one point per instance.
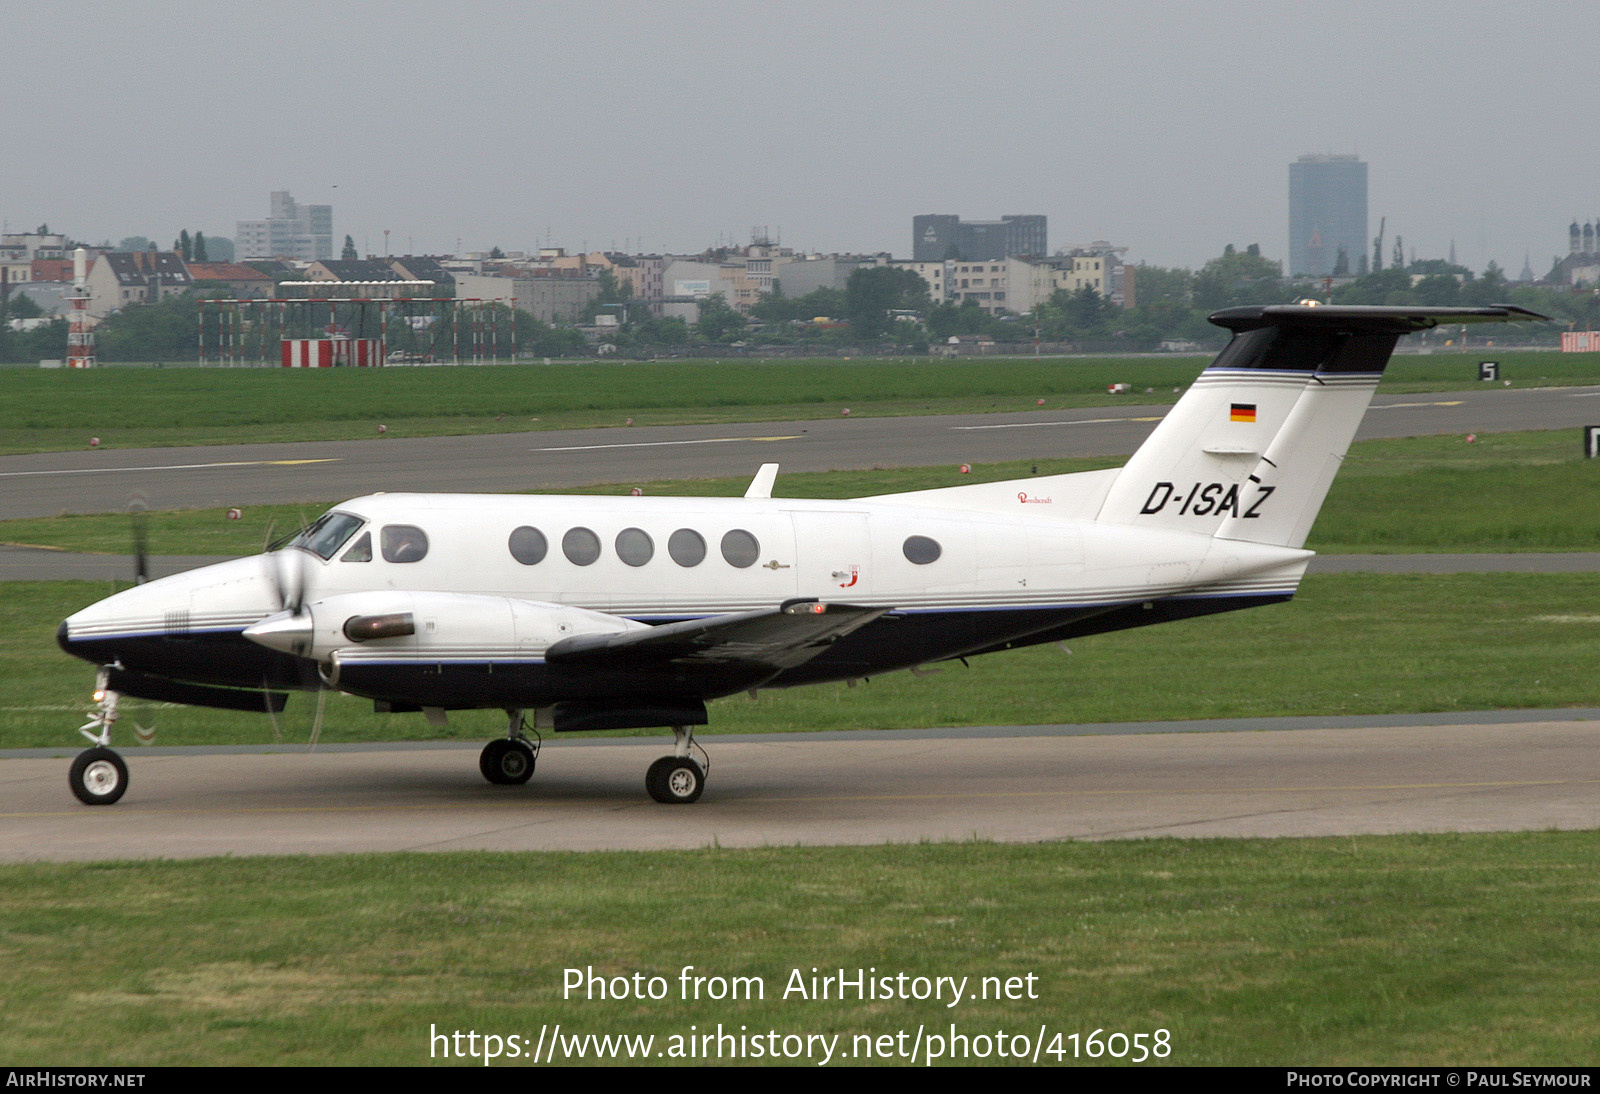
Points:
(1242, 412)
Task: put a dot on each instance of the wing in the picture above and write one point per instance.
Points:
(778, 639)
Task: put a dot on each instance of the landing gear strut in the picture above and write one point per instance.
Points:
(98, 775)
(509, 760)
(678, 779)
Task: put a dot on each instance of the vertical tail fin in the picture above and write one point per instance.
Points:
(1250, 450)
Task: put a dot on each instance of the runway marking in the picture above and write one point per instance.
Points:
(1036, 425)
(170, 467)
(666, 444)
(1397, 406)
(1499, 784)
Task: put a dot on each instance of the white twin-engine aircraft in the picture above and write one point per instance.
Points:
(625, 612)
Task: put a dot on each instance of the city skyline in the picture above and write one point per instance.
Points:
(680, 128)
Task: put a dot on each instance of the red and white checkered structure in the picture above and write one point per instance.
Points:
(331, 352)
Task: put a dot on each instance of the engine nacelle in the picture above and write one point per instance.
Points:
(420, 626)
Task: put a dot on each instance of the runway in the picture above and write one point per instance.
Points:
(1273, 777)
(102, 480)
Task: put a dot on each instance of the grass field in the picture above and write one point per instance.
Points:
(1348, 644)
(52, 410)
(49, 409)
(1415, 950)
(1506, 492)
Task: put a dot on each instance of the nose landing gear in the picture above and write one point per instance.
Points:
(98, 775)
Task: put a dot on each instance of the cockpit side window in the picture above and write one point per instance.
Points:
(361, 551)
(328, 534)
(403, 543)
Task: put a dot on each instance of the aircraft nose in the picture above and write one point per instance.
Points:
(61, 637)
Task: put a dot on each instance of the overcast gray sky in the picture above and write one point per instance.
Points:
(1164, 127)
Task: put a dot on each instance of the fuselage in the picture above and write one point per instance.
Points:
(958, 583)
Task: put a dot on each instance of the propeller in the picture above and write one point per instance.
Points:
(138, 519)
(316, 724)
(286, 573)
(138, 528)
(285, 569)
(277, 733)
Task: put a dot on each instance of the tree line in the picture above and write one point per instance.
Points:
(889, 309)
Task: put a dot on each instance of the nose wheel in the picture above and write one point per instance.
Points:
(98, 776)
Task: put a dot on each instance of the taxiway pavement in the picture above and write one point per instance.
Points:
(1272, 777)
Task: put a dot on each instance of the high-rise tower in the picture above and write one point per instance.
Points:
(1327, 212)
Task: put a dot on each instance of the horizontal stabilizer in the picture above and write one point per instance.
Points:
(1364, 319)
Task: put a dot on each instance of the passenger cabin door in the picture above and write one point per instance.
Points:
(833, 555)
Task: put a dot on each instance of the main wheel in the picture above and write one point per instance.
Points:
(506, 761)
(98, 776)
(675, 780)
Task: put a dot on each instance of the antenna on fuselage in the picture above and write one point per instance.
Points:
(761, 485)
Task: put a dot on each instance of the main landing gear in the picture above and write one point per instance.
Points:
(672, 780)
(678, 779)
(98, 775)
(509, 760)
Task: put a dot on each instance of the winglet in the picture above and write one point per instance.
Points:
(761, 485)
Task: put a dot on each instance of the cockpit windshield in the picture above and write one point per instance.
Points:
(327, 535)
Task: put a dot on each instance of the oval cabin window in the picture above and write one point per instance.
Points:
(581, 546)
(528, 545)
(921, 549)
(635, 547)
(740, 548)
(687, 547)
